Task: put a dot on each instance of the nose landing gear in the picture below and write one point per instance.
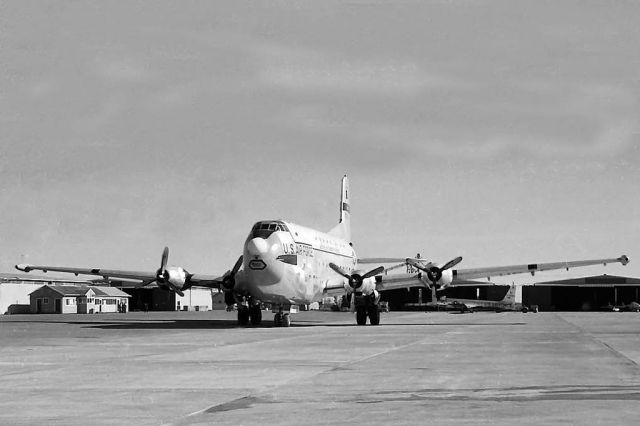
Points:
(281, 319)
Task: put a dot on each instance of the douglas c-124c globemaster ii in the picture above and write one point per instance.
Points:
(285, 264)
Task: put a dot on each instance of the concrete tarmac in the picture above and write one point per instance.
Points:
(199, 368)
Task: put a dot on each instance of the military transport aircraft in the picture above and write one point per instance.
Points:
(285, 264)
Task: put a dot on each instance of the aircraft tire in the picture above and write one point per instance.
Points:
(374, 315)
(255, 313)
(243, 315)
(286, 320)
(277, 320)
(361, 315)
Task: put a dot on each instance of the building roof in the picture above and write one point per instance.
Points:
(103, 291)
(82, 290)
(594, 281)
(66, 290)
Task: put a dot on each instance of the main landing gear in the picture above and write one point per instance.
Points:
(367, 306)
(372, 311)
(249, 313)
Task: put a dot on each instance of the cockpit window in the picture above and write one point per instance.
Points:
(265, 229)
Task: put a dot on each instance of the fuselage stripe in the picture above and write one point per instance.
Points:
(326, 251)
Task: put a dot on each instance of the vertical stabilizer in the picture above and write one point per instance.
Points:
(514, 295)
(343, 229)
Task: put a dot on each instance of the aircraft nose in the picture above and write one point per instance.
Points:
(257, 247)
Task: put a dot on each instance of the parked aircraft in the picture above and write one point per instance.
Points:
(631, 307)
(286, 264)
(512, 301)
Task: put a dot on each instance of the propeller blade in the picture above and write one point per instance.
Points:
(416, 264)
(165, 258)
(237, 266)
(373, 272)
(339, 270)
(451, 263)
(352, 304)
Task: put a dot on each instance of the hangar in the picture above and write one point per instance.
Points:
(577, 294)
(153, 298)
(582, 294)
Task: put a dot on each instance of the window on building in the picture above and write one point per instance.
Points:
(68, 302)
(45, 300)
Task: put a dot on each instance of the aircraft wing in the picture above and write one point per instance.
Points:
(496, 271)
(396, 281)
(144, 277)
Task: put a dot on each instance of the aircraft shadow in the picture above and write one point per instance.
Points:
(212, 324)
(232, 324)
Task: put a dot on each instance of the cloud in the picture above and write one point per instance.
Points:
(306, 70)
(363, 77)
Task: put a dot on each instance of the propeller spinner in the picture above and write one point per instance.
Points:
(434, 273)
(163, 275)
(356, 280)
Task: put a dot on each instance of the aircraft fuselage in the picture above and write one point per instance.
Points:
(287, 264)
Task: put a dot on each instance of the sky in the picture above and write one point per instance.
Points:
(506, 132)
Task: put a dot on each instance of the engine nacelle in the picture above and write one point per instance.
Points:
(443, 278)
(367, 287)
(176, 277)
(446, 279)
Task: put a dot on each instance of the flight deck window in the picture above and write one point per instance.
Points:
(265, 229)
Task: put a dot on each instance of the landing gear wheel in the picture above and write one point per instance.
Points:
(243, 315)
(374, 315)
(277, 320)
(361, 315)
(255, 313)
(286, 320)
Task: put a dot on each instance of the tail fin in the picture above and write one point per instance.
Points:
(514, 295)
(343, 229)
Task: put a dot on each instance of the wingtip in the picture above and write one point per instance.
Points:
(23, 267)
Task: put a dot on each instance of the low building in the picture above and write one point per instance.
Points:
(16, 288)
(66, 299)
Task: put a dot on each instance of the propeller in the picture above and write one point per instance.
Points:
(229, 282)
(434, 273)
(356, 280)
(163, 275)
